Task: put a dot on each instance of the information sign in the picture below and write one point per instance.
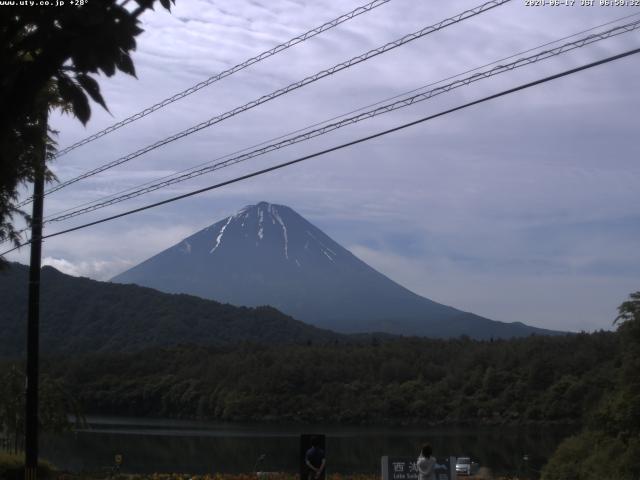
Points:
(405, 468)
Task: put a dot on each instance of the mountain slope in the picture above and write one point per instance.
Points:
(82, 315)
(268, 254)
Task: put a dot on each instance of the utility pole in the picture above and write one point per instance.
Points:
(33, 320)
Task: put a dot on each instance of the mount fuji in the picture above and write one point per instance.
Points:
(268, 254)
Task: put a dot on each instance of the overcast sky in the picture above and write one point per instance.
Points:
(522, 209)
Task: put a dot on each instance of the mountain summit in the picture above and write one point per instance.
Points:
(268, 254)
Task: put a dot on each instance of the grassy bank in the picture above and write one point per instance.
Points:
(12, 467)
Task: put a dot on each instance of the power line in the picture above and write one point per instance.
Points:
(265, 98)
(219, 76)
(344, 145)
(246, 149)
(199, 170)
(337, 117)
(404, 102)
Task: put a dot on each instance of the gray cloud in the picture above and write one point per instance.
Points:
(521, 209)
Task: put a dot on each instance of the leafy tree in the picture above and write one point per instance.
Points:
(609, 447)
(629, 311)
(12, 405)
(628, 320)
(48, 56)
(594, 456)
(55, 404)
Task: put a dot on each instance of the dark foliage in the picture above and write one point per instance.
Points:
(12, 468)
(400, 381)
(222, 362)
(609, 447)
(48, 57)
(81, 315)
(55, 404)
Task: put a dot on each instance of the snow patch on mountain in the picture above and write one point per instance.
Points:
(242, 211)
(185, 247)
(274, 213)
(260, 220)
(219, 238)
(270, 208)
(323, 247)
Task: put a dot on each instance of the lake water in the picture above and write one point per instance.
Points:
(198, 447)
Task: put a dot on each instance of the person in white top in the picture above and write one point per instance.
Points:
(426, 463)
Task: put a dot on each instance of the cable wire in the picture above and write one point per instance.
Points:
(265, 98)
(219, 76)
(341, 146)
(172, 175)
(157, 184)
(404, 102)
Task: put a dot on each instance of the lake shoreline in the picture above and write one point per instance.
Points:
(248, 476)
(292, 422)
(150, 445)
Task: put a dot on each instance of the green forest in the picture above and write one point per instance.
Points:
(609, 445)
(588, 379)
(537, 379)
(79, 315)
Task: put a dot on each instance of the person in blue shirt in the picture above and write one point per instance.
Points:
(315, 460)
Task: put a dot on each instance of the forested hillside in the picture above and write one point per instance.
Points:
(537, 379)
(82, 315)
